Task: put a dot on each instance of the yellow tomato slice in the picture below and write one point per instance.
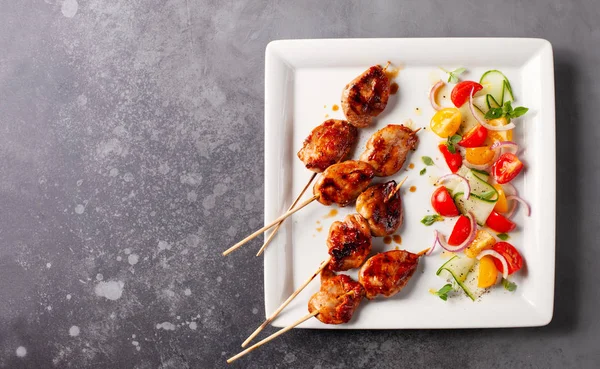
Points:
(446, 122)
(479, 155)
(501, 204)
(488, 274)
(495, 136)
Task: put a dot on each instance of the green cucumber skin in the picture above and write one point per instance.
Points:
(445, 267)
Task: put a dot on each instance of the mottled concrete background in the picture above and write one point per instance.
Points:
(131, 154)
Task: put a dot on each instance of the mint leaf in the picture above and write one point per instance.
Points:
(493, 113)
(423, 171)
(487, 195)
(502, 236)
(427, 160)
(520, 110)
(443, 292)
(455, 139)
(510, 286)
(430, 219)
(451, 148)
(453, 76)
(459, 71)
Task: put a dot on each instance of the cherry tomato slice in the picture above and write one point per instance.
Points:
(462, 91)
(460, 232)
(499, 223)
(454, 161)
(475, 137)
(506, 168)
(512, 256)
(442, 203)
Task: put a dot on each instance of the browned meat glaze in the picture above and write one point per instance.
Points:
(383, 212)
(327, 144)
(366, 96)
(342, 183)
(387, 273)
(349, 243)
(337, 299)
(387, 149)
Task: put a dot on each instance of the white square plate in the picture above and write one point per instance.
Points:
(305, 78)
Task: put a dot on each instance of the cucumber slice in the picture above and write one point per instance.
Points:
(481, 174)
(493, 84)
(480, 208)
(491, 102)
(471, 281)
(468, 120)
(480, 103)
(508, 94)
(457, 269)
(477, 179)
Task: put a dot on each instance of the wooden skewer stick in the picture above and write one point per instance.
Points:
(274, 335)
(387, 65)
(396, 189)
(417, 130)
(285, 303)
(273, 223)
(421, 253)
(272, 235)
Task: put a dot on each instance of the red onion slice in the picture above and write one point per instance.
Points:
(435, 242)
(433, 93)
(498, 256)
(517, 199)
(477, 166)
(442, 240)
(463, 180)
(512, 190)
(505, 144)
(483, 122)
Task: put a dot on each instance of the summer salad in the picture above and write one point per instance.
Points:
(483, 159)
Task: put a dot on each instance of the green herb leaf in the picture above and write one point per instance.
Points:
(502, 236)
(511, 286)
(493, 113)
(488, 195)
(459, 71)
(453, 76)
(507, 108)
(427, 160)
(519, 110)
(443, 292)
(423, 171)
(430, 219)
(451, 148)
(455, 139)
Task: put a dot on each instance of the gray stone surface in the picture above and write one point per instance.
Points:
(131, 154)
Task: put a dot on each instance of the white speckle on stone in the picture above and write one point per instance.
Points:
(112, 146)
(138, 348)
(192, 196)
(119, 258)
(133, 259)
(49, 307)
(219, 279)
(68, 296)
(21, 351)
(192, 240)
(187, 292)
(69, 8)
(127, 251)
(289, 358)
(133, 336)
(184, 252)
(193, 326)
(167, 326)
(191, 179)
(82, 100)
(164, 168)
(79, 182)
(128, 177)
(48, 265)
(111, 290)
(74, 331)
(254, 311)
(99, 277)
(232, 231)
(79, 209)
(113, 172)
(209, 202)
(135, 343)
(169, 293)
(219, 189)
(163, 245)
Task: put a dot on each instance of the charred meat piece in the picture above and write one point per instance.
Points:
(342, 183)
(387, 273)
(337, 299)
(387, 149)
(349, 243)
(327, 144)
(383, 212)
(366, 96)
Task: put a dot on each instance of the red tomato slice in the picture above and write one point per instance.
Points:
(475, 137)
(499, 223)
(462, 91)
(512, 256)
(454, 161)
(506, 168)
(460, 232)
(442, 203)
